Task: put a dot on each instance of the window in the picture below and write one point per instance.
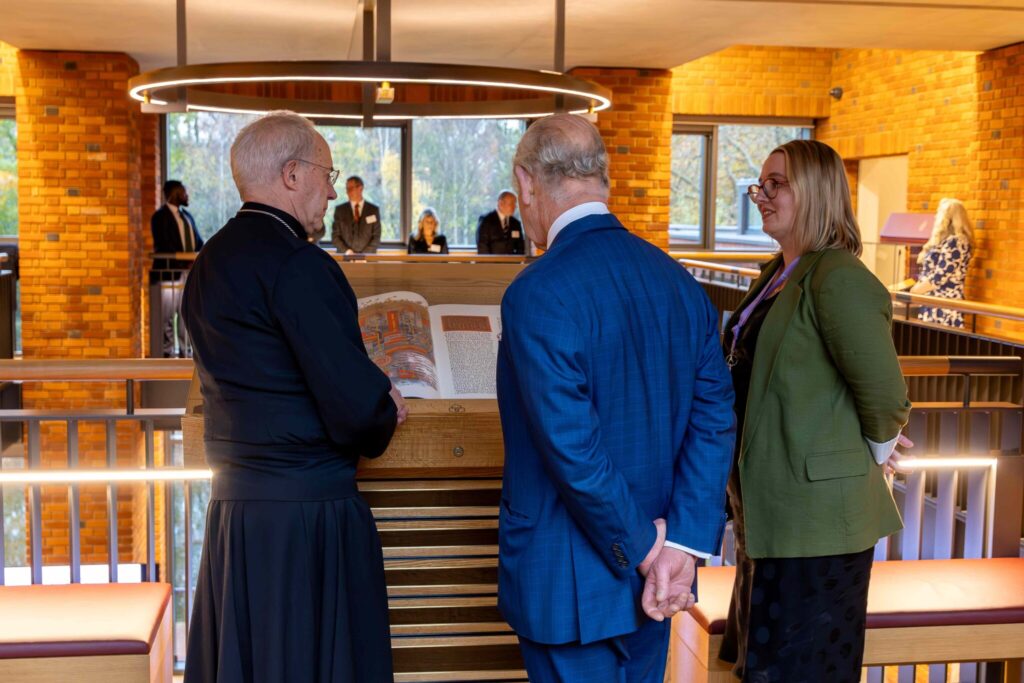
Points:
(459, 167)
(8, 177)
(375, 155)
(199, 155)
(709, 206)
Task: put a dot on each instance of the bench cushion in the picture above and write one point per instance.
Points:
(902, 594)
(80, 620)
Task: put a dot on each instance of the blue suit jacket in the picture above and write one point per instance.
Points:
(617, 409)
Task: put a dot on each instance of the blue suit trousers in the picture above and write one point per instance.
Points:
(638, 657)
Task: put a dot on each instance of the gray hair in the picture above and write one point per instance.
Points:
(563, 146)
(264, 146)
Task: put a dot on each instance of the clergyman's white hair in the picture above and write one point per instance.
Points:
(264, 146)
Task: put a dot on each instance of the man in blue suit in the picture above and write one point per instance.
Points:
(616, 407)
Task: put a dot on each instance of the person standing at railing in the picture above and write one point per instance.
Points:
(356, 227)
(500, 232)
(820, 402)
(426, 239)
(291, 582)
(943, 262)
(174, 230)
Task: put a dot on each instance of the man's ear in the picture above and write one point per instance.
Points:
(525, 183)
(289, 174)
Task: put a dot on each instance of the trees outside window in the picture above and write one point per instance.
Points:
(8, 177)
(459, 167)
(736, 154)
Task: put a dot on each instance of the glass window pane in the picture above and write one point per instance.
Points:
(375, 155)
(687, 193)
(459, 167)
(8, 178)
(199, 155)
(741, 152)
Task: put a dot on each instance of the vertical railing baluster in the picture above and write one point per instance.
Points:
(74, 511)
(3, 531)
(112, 549)
(913, 509)
(187, 520)
(150, 506)
(35, 503)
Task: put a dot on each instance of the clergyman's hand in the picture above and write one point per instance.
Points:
(668, 585)
(403, 409)
(659, 541)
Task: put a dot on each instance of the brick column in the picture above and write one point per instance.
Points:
(637, 131)
(82, 262)
(996, 276)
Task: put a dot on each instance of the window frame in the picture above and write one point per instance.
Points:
(404, 176)
(708, 126)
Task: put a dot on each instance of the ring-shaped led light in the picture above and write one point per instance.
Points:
(577, 96)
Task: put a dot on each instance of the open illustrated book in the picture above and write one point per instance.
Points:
(442, 351)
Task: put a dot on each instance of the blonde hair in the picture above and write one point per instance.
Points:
(950, 219)
(424, 215)
(824, 212)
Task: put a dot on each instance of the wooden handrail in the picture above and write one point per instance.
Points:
(119, 370)
(706, 256)
(931, 366)
(105, 370)
(970, 307)
(976, 307)
(720, 267)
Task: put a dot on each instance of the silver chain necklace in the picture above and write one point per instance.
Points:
(275, 217)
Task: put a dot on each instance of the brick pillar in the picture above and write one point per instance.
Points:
(637, 131)
(82, 263)
(996, 276)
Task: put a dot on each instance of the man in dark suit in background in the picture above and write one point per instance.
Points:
(356, 226)
(174, 230)
(500, 232)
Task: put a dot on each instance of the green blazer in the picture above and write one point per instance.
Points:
(825, 377)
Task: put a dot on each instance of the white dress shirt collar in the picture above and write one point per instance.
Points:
(574, 214)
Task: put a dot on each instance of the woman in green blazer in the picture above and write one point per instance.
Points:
(820, 402)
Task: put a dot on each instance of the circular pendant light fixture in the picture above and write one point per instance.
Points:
(500, 92)
(373, 89)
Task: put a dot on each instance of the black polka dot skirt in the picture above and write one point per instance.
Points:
(805, 619)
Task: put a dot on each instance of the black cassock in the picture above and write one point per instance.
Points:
(291, 583)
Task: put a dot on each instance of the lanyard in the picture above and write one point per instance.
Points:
(777, 282)
(275, 217)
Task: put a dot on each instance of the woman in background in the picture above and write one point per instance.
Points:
(820, 402)
(427, 240)
(943, 261)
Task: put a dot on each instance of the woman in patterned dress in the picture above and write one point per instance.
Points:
(943, 261)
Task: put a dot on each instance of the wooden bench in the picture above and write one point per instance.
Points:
(110, 633)
(925, 611)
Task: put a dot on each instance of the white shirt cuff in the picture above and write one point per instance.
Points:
(882, 451)
(695, 553)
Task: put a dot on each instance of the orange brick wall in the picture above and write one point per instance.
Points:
(755, 81)
(637, 131)
(919, 103)
(998, 193)
(82, 249)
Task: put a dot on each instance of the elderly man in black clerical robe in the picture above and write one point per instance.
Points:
(291, 584)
